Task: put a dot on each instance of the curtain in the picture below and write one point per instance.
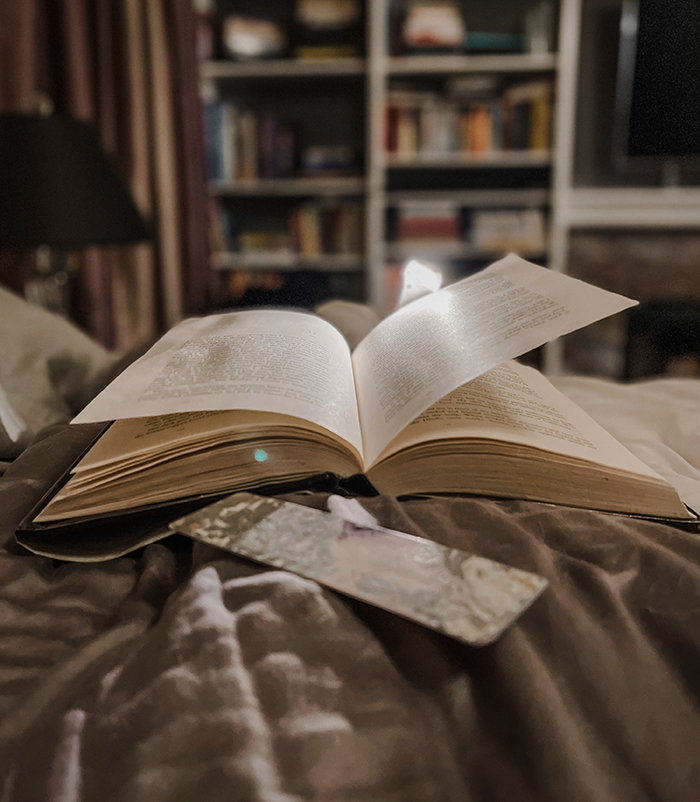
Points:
(129, 67)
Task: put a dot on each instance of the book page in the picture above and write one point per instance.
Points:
(265, 360)
(133, 439)
(432, 346)
(518, 404)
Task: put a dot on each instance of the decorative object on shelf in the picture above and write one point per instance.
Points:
(59, 193)
(327, 29)
(433, 26)
(328, 160)
(247, 37)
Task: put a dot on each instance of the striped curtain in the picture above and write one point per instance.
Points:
(129, 67)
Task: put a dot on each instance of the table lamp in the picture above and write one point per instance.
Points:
(59, 192)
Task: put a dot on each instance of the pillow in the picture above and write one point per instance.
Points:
(49, 370)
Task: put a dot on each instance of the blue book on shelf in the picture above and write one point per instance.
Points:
(494, 42)
(213, 139)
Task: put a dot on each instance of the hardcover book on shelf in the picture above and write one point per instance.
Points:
(502, 230)
(528, 107)
(421, 221)
(433, 26)
(341, 226)
(305, 225)
(478, 137)
(213, 123)
(429, 402)
(247, 145)
(247, 37)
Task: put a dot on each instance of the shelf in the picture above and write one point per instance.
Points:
(330, 263)
(475, 197)
(282, 68)
(502, 62)
(617, 207)
(341, 185)
(400, 65)
(506, 158)
(400, 252)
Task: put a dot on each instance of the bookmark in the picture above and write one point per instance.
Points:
(466, 597)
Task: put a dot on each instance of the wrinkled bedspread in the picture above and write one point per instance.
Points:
(181, 673)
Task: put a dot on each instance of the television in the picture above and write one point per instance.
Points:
(657, 107)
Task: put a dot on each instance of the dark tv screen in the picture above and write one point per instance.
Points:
(658, 90)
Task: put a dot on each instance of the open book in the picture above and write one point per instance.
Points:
(429, 402)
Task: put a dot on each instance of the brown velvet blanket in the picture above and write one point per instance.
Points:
(181, 673)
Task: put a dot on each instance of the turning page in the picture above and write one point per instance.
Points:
(432, 346)
(261, 360)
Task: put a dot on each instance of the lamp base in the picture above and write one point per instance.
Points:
(50, 287)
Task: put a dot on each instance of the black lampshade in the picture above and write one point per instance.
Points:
(59, 188)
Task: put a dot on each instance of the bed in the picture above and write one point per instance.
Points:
(179, 672)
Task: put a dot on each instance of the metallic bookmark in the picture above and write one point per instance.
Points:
(469, 598)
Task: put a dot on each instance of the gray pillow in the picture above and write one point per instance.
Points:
(49, 370)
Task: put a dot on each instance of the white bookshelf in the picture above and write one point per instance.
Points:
(371, 76)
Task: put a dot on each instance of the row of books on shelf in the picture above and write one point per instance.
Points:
(425, 121)
(243, 144)
(438, 225)
(307, 230)
(317, 228)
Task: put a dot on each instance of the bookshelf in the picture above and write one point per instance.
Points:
(344, 102)
(592, 195)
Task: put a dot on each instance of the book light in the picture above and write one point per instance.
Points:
(59, 192)
(417, 279)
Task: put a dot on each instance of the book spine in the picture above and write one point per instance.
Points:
(391, 133)
(213, 124)
(247, 167)
(267, 150)
(284, 150)
(540, 113)
(228, 141)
